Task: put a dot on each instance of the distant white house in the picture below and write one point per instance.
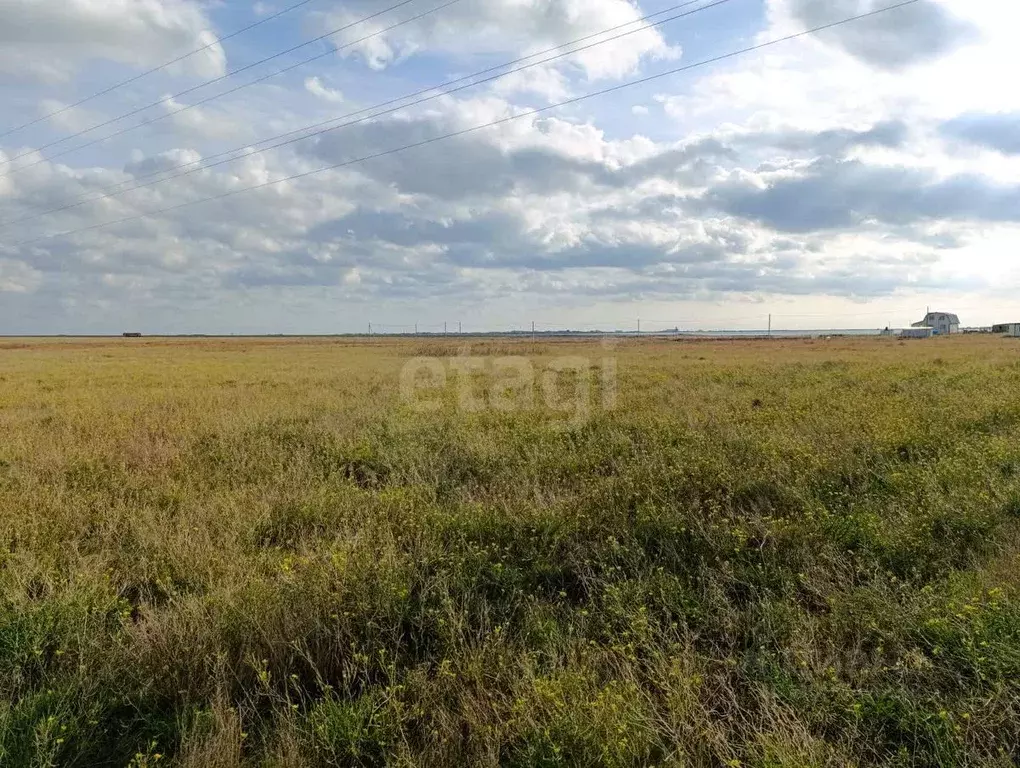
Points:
(917, 332)
(1010, 329)
(943, 323)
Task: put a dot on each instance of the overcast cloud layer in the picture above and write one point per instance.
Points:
(847, 179)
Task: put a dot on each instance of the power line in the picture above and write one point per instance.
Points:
(226, 76)
(148, 72)
(235, 89)
(218, 95)
(491, 124)
(207, 165)
(216, 80)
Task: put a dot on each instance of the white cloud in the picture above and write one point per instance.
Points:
(18, 277)
(210, 122)
(548, 82)
(315, 87)
(501, 27)
(50, 40)
(891, 41)
(815, 80)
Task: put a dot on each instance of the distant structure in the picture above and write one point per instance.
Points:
(132, 335)
(917, 332)
(942, 323)
(1009, 329)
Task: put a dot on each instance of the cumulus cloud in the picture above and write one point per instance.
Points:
(142, 165)
(50, 40)
(548, 81)
(889, 134)
(18, 277)
(998, 132)
(316, 87)
(894, 40)
(503, 27)
(844, 194)
(202, 122)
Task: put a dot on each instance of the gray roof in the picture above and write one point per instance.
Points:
(953, 319)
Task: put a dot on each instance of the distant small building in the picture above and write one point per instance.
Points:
(917, 332)
(942, 323)
(133, 335)
(1010, 329)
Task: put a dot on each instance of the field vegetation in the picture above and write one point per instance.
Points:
(241, 552)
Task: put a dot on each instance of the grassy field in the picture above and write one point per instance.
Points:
(260, 552)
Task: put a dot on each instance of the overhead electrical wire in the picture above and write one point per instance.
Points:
(146, 73)
(225, 76)
(204, 164)
(476, 128)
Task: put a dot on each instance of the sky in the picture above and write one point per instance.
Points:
(849, 178)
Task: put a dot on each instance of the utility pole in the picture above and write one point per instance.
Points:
(369, 329)
(444, 327)
(770, 326)
(533, 330)
(460, 328)
(639, 326)
(416, 329)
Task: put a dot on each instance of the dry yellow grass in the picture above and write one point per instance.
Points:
(225, 552)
